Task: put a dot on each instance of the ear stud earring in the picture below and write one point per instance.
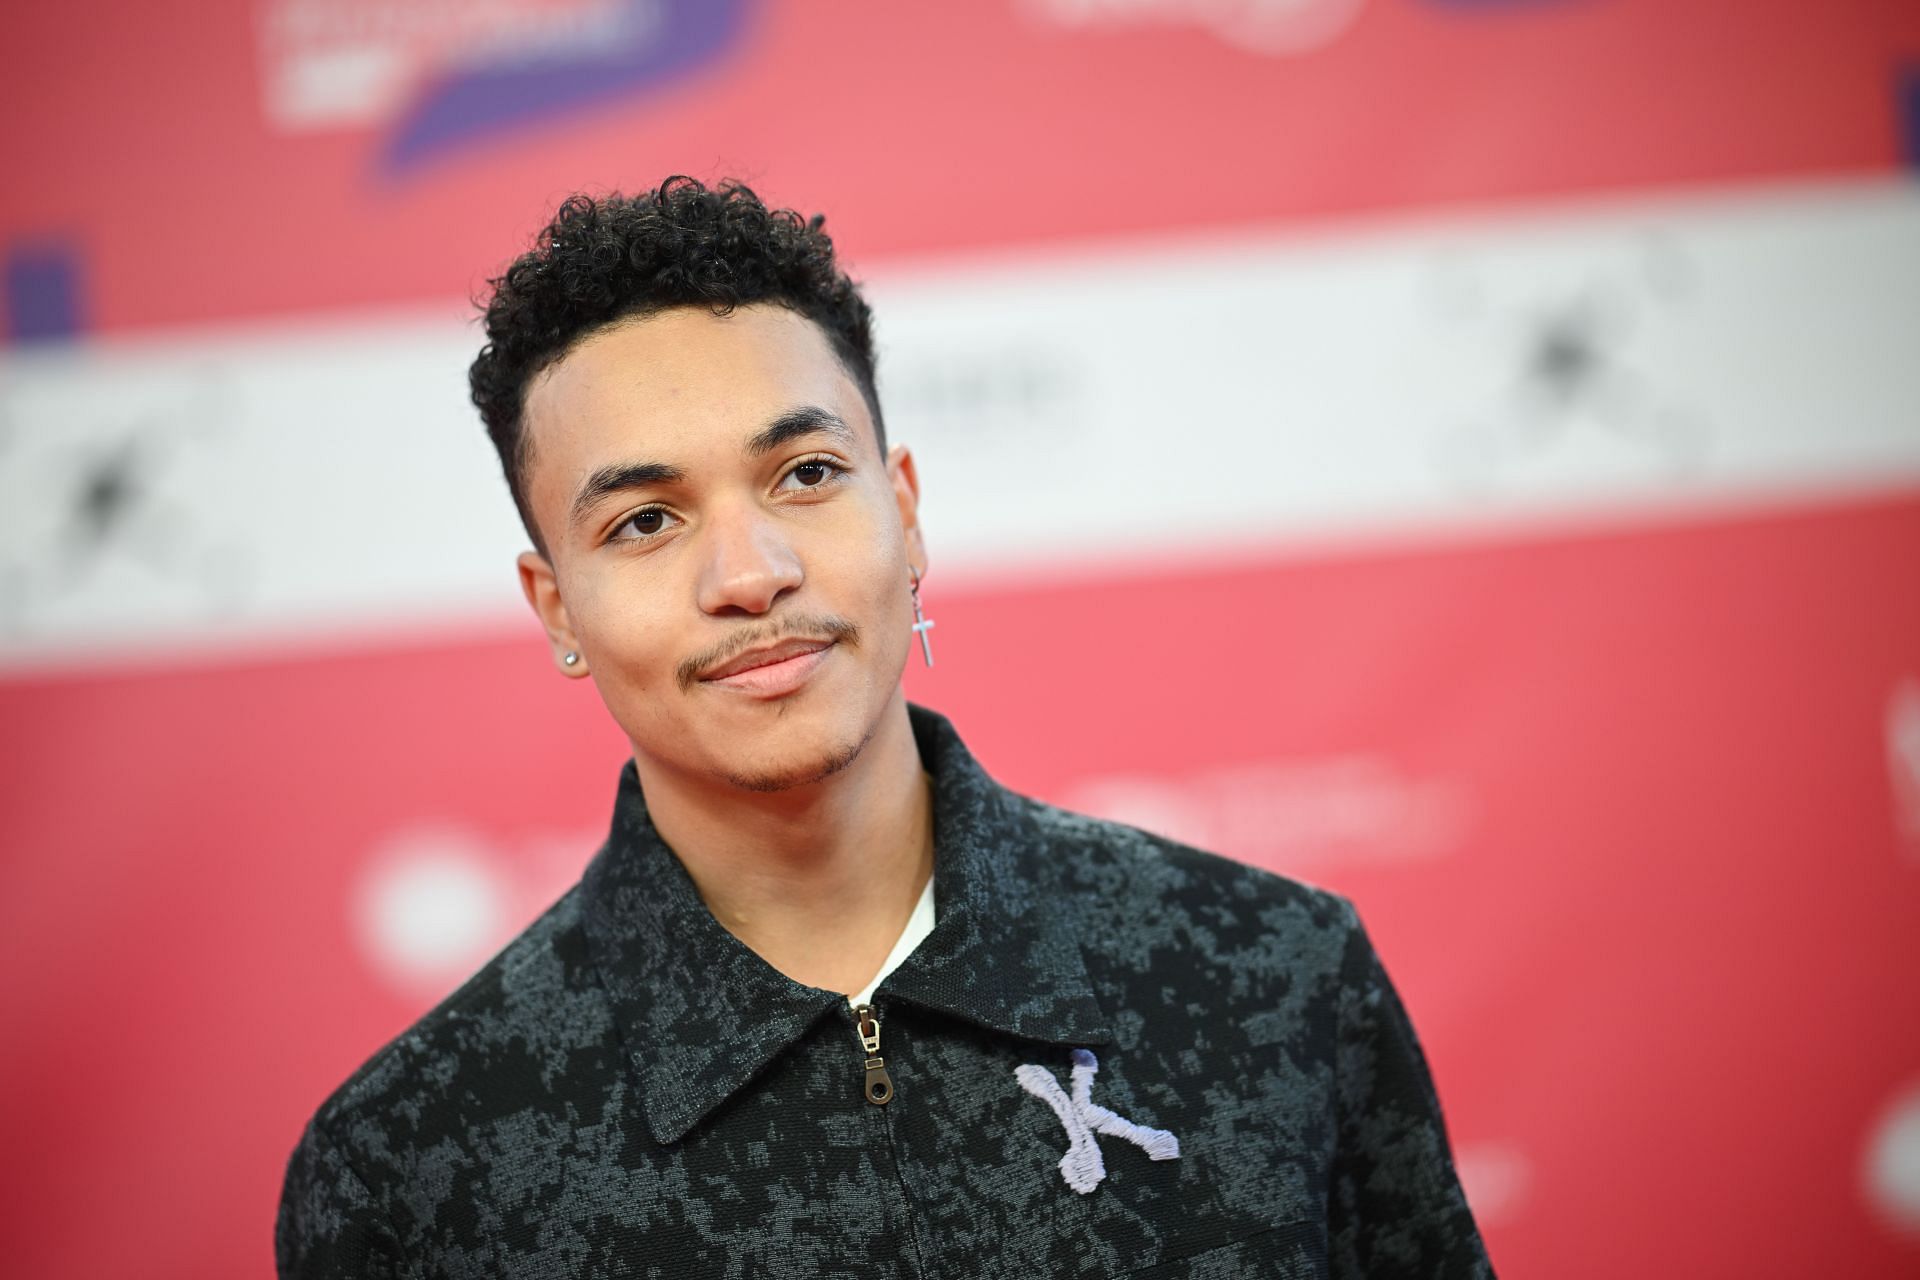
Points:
(921, 624)
(572, 659)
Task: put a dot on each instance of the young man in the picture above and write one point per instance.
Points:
(831, 1001)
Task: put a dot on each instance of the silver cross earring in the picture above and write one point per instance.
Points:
(921, 624)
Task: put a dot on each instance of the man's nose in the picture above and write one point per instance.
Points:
(748, 564)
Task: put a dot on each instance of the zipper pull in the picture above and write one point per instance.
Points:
(879, 1085)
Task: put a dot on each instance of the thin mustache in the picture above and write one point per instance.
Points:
(822, 626)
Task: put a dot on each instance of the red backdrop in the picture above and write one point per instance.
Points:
(1631, 803)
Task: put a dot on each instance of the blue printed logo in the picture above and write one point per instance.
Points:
(434, 78)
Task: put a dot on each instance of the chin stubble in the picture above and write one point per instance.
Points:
(767, 782)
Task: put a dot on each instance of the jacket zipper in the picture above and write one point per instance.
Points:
(878, 1085)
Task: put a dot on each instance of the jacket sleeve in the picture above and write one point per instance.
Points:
(329, 1224)
(1394, 1203)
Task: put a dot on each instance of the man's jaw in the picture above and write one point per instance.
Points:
(801, 776)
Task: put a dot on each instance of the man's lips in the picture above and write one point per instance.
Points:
(767, 656)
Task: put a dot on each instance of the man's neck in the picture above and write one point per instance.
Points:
(818, 880)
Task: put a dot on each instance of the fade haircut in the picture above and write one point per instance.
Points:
(605, 260)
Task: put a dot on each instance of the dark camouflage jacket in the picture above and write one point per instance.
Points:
(1114, 1055)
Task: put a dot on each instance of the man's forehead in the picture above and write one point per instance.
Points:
(684, 379)
(689, 348)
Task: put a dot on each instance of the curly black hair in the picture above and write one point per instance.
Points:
(619, 257)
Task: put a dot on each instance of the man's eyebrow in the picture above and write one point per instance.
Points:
(804, 421)
(617, 477)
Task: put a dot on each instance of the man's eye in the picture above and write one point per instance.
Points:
(815, 473)
(647, 523)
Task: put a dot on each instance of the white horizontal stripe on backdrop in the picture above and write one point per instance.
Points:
(311, 481)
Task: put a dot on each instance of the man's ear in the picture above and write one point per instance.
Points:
(543, 593)
(906, 495)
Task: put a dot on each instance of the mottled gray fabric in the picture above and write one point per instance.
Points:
(627, 1090)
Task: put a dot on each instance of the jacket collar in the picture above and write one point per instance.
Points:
(701, 1014)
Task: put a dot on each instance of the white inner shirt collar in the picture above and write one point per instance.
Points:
(919, 925)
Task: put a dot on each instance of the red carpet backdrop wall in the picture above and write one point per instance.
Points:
(1463, 453)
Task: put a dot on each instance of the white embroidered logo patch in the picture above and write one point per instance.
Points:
(1082, 1166)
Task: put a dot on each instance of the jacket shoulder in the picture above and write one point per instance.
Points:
(1146, 899)
(1097, 848)
(385, 1155)
(522, 1011)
